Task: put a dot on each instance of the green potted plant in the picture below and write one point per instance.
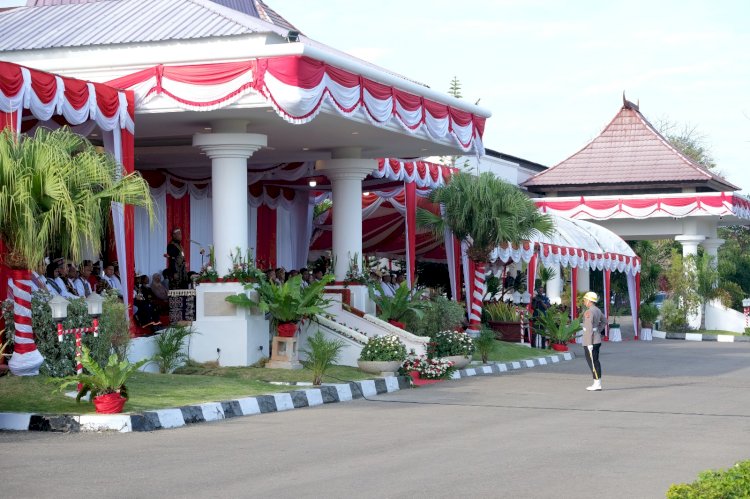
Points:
(455, 346)
(287, 303)
(395, 309)
(556, 326)
(105, 384)
(505, 320)
(382, 354)
(648, 315)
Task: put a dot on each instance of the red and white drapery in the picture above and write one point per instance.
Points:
(298, 88)
(28, 98)
(648, 205)
(423, 173)
(274, 213)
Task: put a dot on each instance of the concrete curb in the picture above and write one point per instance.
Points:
(721, 338)
(261, 404)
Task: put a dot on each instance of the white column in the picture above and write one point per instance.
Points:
(229, 150)
(346, 175)
(712, 245)
(584, 279)
(690, 244)
(555, 285)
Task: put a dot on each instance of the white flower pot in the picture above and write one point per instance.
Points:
(459, 361)
(378, 366)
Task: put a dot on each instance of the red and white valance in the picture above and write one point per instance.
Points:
(46, 95)
(298, 88)
(645, 206)
(423, 173)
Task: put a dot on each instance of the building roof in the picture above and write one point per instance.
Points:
(629, 151)
(523, 163)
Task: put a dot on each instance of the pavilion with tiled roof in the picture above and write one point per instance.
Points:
(628, 155)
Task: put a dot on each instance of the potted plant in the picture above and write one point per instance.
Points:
(398, 307)
(105, 384)
(425, 371)
(382, 354)
(287, 303)
(556, 326)
(455, 346)
(505, 320)
(648, 315)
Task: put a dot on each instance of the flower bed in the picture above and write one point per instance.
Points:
(427, 368)
(384, 348)
(449, 343)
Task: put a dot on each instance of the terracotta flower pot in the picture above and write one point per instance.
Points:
(111, 403)
(398, 324)
(286, 329)
(417, 381)
(558, 347)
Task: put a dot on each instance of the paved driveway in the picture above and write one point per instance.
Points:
(669, 410)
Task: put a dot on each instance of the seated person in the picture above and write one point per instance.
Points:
(113, 282)
(38, 281)
(67, 290)
(51, 275)
(146, 313)
(81, 281)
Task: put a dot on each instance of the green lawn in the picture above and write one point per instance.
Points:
(194, 385)
(505, 352)
(716, 331)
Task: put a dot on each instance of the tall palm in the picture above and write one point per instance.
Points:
(55, 194)
(485, 212)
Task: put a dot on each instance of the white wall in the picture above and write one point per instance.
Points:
(722, 318)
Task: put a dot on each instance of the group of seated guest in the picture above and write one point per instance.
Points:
(280, 275)
(150, 301)
(58, 277)
(386, 283)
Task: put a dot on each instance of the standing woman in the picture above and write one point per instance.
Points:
(593, 325)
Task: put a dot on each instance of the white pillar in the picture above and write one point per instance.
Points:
(712, 245)
(346, 174)
(584, 279)
(229, 147)
(690, 244)
(555, 285)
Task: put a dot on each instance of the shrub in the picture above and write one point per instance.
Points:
(384, 348)
(448, 343)
(648, 314)
(502, 312)
(747, 331)
(439, 314)
(321, 355)
(674, 317)
(114, 334)
(169, 346)
(733, 482)
(556, 326)
(485, 343)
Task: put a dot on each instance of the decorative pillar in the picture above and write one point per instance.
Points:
(555, 285)
(346, 173)
(712, 245)
(229, 147)
(690, 248)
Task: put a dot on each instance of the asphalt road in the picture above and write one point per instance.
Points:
(669, 410)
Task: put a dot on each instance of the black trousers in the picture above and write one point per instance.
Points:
(596, 370)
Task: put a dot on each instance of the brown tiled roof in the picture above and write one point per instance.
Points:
(628, 151)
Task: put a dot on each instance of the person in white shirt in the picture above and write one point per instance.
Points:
(38, 281)
(388, 289)
(61, 279)
(112, 279)
(50, 276)
(81, 282)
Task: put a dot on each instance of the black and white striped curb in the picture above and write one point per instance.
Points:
(486, 369)
(721, 338)
(261, 404)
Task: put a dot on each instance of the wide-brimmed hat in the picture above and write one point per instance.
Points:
(591, 296)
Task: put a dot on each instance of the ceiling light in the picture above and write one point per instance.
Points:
(312, 183)
(292, 36)
(366, 193)
(207, 128)
(355, 133)
(305, 148)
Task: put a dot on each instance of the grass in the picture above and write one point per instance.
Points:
(503, 351)
(716, 331)
(193, 384)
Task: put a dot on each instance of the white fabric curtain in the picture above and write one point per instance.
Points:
(285, 236)
(301, 223)
(450, 256)
(201, 230)
(113, 145)
(633, 301)
(150, 242)
(252, 229)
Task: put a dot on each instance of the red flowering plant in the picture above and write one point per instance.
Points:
(427, 368)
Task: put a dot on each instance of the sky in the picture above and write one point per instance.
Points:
(553, 72)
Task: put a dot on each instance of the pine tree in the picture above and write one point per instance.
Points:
(455, 88)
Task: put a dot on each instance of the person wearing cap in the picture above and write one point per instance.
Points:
(593, 325)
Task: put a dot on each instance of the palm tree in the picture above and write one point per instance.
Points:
(56, 190)
(485, 212)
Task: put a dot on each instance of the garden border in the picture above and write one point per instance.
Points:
(260, 404)
(721, 338)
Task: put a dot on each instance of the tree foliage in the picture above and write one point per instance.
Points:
(688, 140)
(455, 88)
(485, 210)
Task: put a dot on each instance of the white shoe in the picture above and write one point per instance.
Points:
(597, 386)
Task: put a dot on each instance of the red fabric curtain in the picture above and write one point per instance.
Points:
(6, 120)
(531, 280)
(573, 292)
(459, 273)
(265, 254)
(607, 311)
(637, 302)
(178, 217)
(128, 163)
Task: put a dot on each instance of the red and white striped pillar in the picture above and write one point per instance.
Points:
(477, 297)
(26, 359)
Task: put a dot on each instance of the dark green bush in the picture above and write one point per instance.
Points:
(732, 483)
(440, 315)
